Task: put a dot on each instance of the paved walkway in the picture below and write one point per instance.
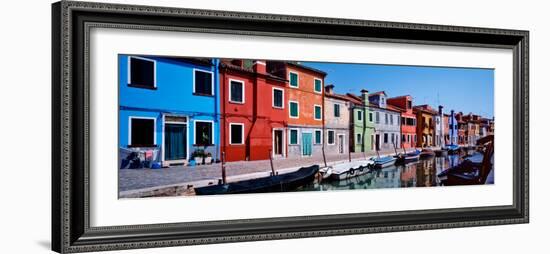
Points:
(135, 180)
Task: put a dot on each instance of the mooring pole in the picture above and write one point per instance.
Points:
(224, 177)
(324, 157)
(271, 162)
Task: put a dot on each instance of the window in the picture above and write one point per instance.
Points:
(391, 119)
(377, 117)
(386, 138)
(318, 136)
(318, 85)
(142, 132)
(403, 138)
(293, 79)
(370, 117)
(278, 98)
(336, 110)
(330, 137)
(203, 82)
(386, 118)
(236, 91)
(141, 72)
(397, 120)
(317, 112)
(293, 137)
(392, 138)
(294, 109)
(408, 138)
(414, 138)
(359, 138)
(359, 115)
(237, 133)
(409, 104)
(203, 133)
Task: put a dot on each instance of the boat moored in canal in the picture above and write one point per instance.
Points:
(453, 149)
(347, 170)
(408, 157)
(426, 153)
(382, 162)
(274, 183)
(474, 169)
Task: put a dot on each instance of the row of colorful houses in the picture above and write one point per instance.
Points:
(253, 109)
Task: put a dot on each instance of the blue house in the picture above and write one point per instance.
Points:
(453, 129)
(168, 106)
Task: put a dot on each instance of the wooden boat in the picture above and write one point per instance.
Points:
(425, 153)
(277, 183)
(408, 157)
(348, 170)
(382, 162)
(474, 169)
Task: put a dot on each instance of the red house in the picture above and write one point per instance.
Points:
(253, 112)
(408, 119)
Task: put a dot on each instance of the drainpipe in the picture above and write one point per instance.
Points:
(217, 105)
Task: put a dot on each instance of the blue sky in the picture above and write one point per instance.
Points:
(461, 89)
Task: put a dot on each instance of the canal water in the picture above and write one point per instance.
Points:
(422, 173)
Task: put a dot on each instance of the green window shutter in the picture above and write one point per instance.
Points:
(293, 79)
(317, 137)
(318, 85)
(317, 112)
(336, 110)
(293, 109)
(293, 137)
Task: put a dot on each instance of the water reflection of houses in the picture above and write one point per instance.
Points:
(425, 173)
(387, 178)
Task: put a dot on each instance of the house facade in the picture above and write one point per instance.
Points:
(305, 95)
(253, 111)
(472, 131)
(425, 125)
(440, 128)
(387, 122)
(337, 110)
(453, 129)
(408, 119)
(168, 106)
(462, 129)
(361, 123)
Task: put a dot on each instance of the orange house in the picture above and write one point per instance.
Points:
(305, 98)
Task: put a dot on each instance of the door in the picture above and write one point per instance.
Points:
(278, 142)
(175, 141)
(377, 142)
(341, 143)
(306, 144)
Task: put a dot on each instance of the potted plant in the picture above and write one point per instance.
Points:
(198, 156)
(208, 158)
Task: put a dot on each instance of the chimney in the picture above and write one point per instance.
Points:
(440, 110)
(329, 89)
(259, 67)
(237, 62)
(365, 96)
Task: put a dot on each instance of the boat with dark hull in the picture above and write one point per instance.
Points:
(453, 149)
(474, 169)
(382, 162)
(275, 183)
(426, 153)
(408, 157)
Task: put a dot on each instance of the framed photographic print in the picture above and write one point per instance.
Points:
(181, 126)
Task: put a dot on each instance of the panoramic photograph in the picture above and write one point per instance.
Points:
(210, 126)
